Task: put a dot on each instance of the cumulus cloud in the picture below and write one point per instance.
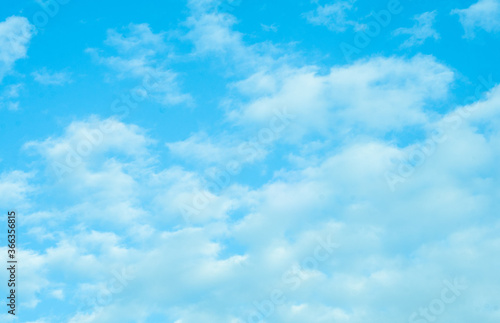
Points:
(84, 141)
(484, 14)
(320, 240)
(15, 35)
(386, 243)
(264, 239)
(370, 96)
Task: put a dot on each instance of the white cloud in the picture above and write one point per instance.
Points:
(204, 150)
(14, 189)
(12, 91)
(121, 209)
(94, 136)
(143, 55)
(388, 241)
(333, 16)
(139, 40)
(369, 96)
(272, 27)
(9, 96)
(94, 153)
(15, 35)
(47, 77)
(484, 14)
(33, 266)
(421, 31)
(213, 33)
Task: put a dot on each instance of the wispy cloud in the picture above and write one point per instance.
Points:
(421, 31)
(333, 15)
(9, 96)
(143, 54)
(46, 77)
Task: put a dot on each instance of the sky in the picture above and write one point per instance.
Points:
(246, 161)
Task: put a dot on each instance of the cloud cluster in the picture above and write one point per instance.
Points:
(484, 14)
(261, 239)
(321, 238)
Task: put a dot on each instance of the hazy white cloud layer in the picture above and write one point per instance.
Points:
(330, 238)
(283, 187)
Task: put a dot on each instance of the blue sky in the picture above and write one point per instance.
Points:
(252, 161)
